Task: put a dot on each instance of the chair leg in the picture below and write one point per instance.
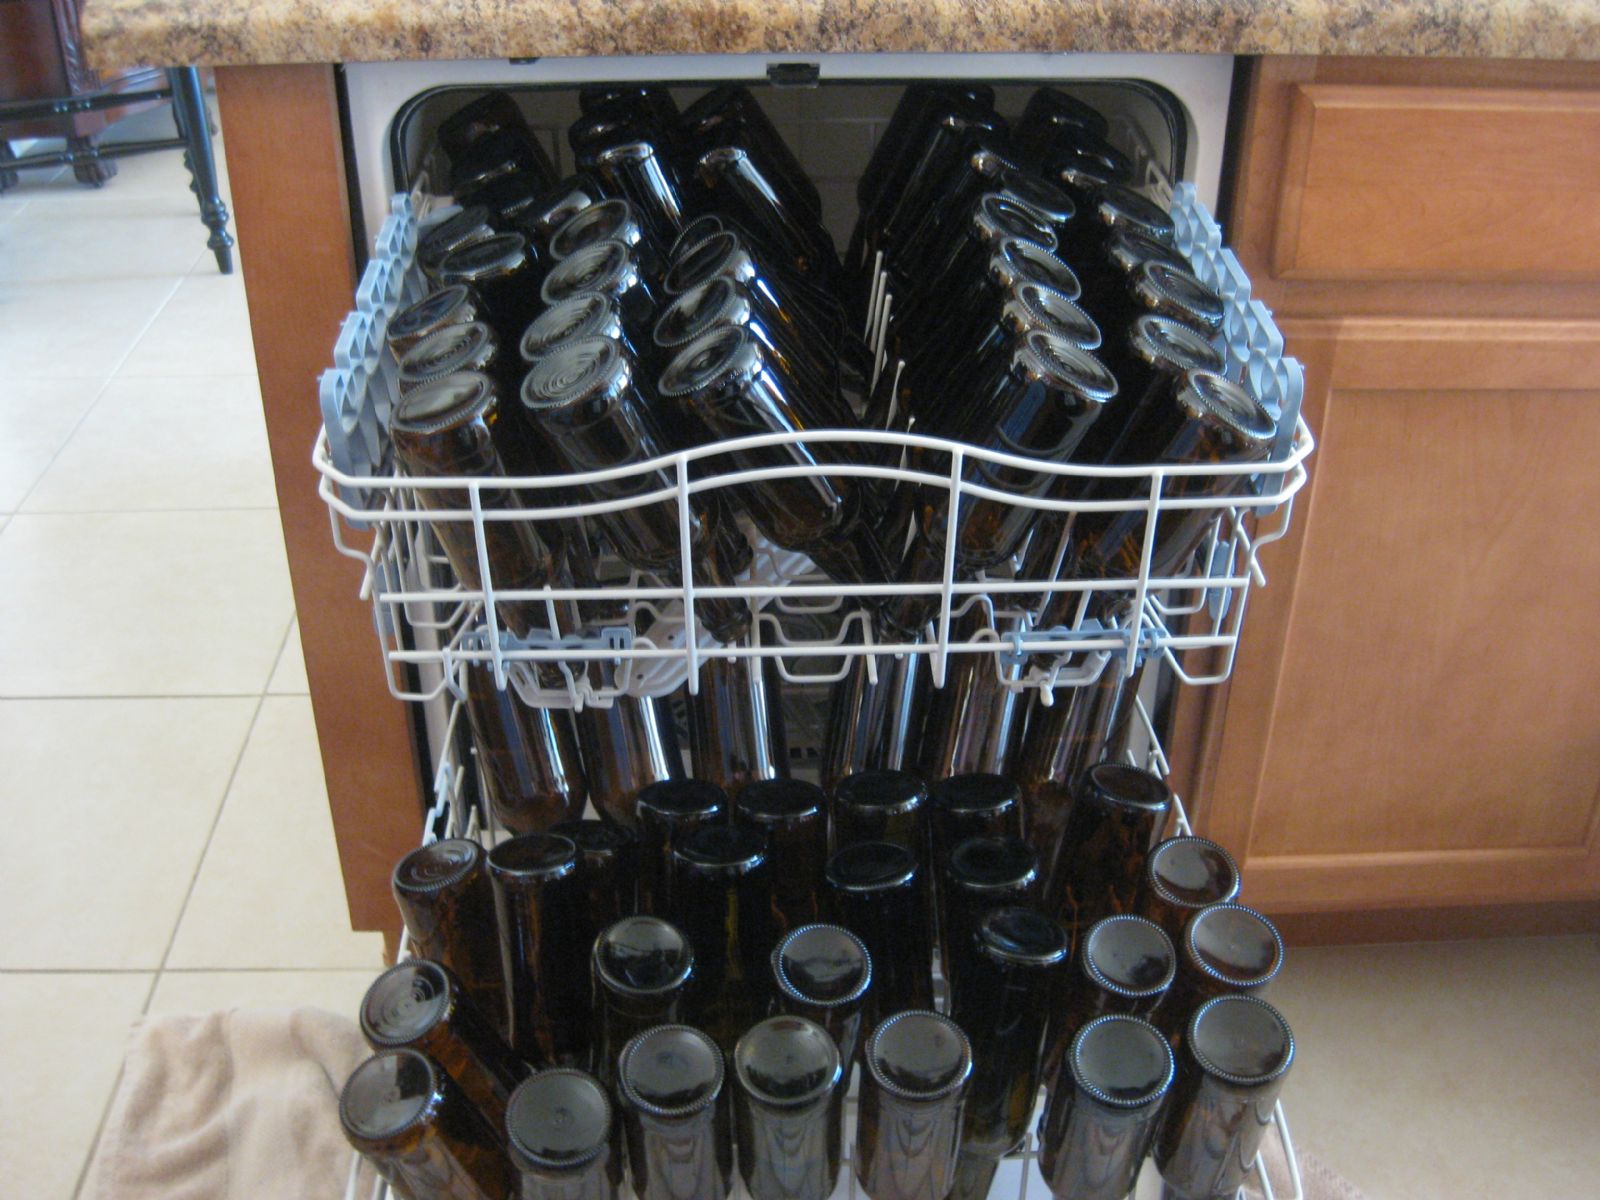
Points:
(94, 170)
(194, 123)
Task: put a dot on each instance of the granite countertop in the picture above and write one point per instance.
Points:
(215, 32)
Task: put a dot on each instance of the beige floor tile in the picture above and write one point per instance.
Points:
(108, 806)
(78, 330)
(36, 418)
(203, 330)
(12, 206)
(207, 991)
(289, 676)
(191, 603)
(62, 1039)
(139, 237)
(269, 892)
(164, 444)
(1462, 1069)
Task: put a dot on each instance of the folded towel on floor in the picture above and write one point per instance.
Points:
(238, 1105)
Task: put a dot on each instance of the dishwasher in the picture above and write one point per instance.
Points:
(1166, 113)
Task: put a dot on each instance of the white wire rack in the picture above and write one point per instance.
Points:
(428, 623)
(1275, 1175)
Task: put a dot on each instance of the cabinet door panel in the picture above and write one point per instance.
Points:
(1412, 716)
(1463, 183)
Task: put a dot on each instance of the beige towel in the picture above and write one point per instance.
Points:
(239, 1105)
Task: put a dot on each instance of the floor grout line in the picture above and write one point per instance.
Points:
(121, 512)
(227, 790)
(22, 501)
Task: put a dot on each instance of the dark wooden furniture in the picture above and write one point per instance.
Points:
(47, 90)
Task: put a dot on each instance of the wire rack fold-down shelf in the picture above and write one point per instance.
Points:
(429, 625)
(453, 814)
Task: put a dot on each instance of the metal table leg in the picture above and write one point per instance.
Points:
(189, 110)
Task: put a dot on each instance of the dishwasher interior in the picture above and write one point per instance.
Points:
(427, 631)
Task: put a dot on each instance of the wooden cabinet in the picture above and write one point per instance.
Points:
(1411, 722)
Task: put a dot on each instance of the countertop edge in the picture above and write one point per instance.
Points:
(122, 33)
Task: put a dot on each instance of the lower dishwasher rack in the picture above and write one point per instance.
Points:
(1275, 1175)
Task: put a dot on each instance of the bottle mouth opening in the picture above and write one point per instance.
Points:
(586, 314)
(502, 252)
(1122, 1062)
(704, 306)
(599, 222)
(443, 351)
(1167, 342)
(389, 1095)
(534, 855)
(599, 267)
(919, 1056)
(1185, 872)
(847, 955)
(438, 865)
(1055, 361)
(722, 355)
(577, 373)
(1144, 964)
(1207, 393)
(559, 1119)
(1024, 937)
(1241, 1040)
(648, 1067)
(443, 403)
(702, 260)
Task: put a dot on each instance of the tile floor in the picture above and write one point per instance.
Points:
(160, 756)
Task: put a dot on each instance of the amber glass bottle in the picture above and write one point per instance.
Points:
(972, 805)
(1104, 1109)
(722, 898)
(876, 893)
(447, 902)
(527, 757)
(439, 309)
(1226, 948)
(1237, 1051)
(608, 868)
(668, 811)
(446, 428)
(727, 382)
(564, 1139)
(908, 1130)
(421, 1133)
(736, 728)
(789, 1110)
(1118, 812)
(1004, 1003)
(504, 271)
(422, 1005)
(676, 1115)
(1182, 875)
(822, 973)
(792, 814)
(627, 747)
(882, 806)
(642, 972)
(982, 874)
(1125, 966)
(538, 900)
